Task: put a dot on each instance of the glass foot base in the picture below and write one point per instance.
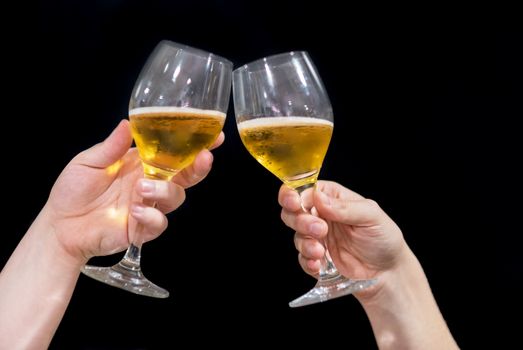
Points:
(131, 280)
(332, 288)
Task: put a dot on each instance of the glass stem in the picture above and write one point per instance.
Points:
(131, 259)
(328, 270)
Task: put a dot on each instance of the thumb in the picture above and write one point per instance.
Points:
(360, 212)
(110, 150)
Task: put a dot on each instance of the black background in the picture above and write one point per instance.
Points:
(426, 106)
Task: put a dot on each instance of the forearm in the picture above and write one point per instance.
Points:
(404, 314)
(36, 285)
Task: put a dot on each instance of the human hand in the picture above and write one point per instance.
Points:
(98, 196)
(363, 241)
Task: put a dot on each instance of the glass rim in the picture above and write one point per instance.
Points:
(261, 61)
(196, 51)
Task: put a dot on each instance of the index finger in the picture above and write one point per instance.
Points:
(335, 190)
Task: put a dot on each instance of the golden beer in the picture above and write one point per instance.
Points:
(169, 138)
(292, 148)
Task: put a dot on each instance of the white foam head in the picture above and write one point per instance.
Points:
(278, 121)
(177, 110)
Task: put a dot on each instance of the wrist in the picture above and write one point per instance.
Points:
(404, 270)
(44, 230)
(402, 309)
(36, 285)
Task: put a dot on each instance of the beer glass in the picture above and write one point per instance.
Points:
(177, 108)
(285, 121)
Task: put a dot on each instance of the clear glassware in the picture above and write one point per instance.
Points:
(285, 121)
(177, 108)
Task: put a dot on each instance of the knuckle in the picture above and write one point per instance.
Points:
(298, 242)
(302, 262)
(280, 198)
(373, 206)
(285, 217)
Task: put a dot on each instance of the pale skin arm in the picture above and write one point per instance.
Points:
(365, 243)
(87, 214)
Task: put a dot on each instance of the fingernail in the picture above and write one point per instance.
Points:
(148, 186)
(316, 229)
(137, 209)
(324, 198)
(311, 250)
